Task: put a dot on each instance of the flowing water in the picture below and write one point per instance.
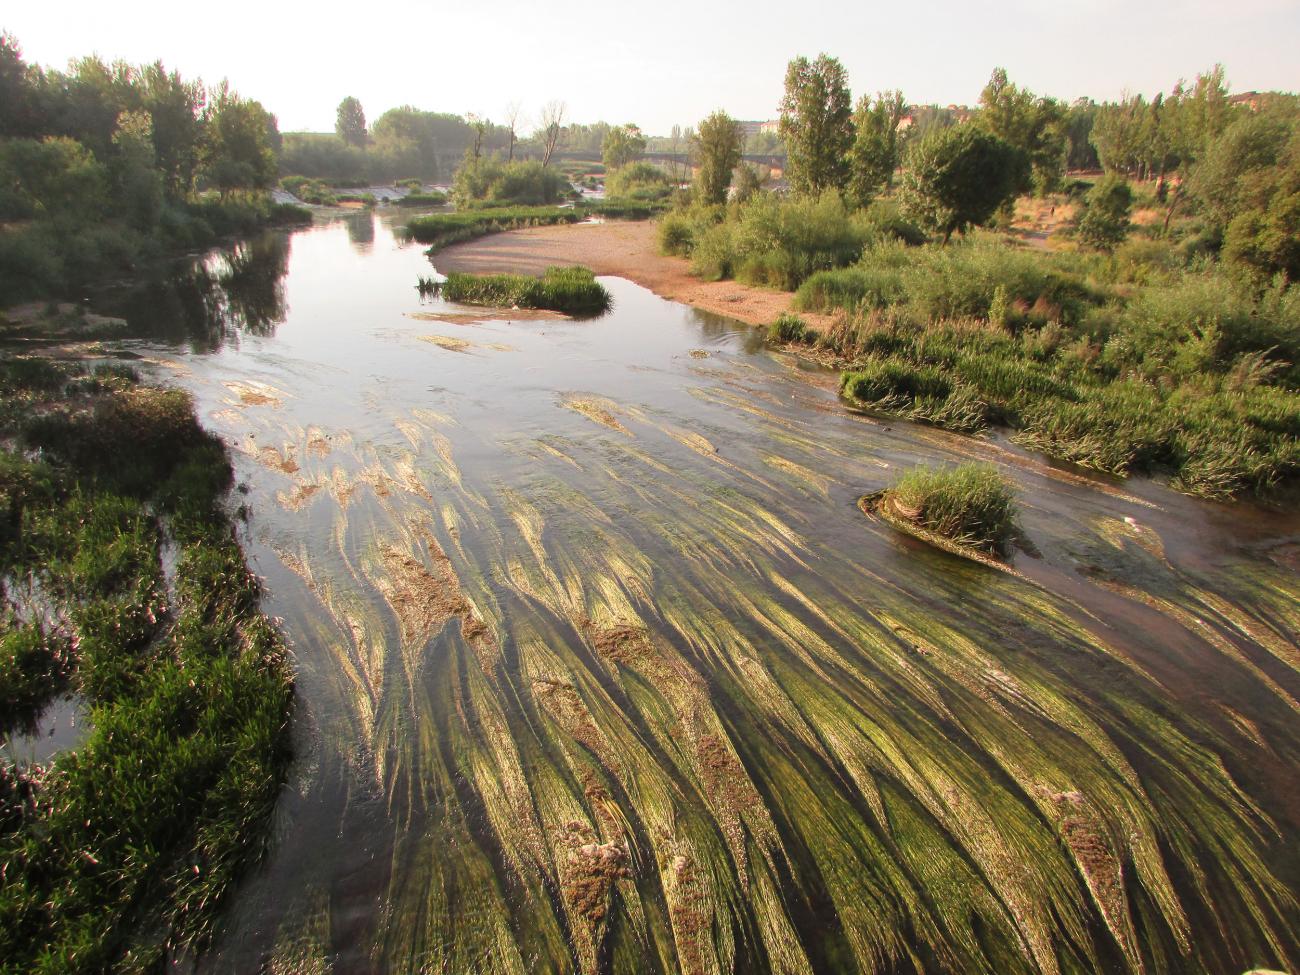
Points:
(600, 668)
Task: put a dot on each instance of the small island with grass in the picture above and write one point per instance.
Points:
(569, 290)
(968, 509)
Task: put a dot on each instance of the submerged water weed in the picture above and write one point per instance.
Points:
(129, 843)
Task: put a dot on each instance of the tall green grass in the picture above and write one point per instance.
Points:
(970, 504)
(572, 290)
(123, 848)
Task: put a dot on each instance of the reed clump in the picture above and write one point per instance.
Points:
(970, 504)
(571, 290)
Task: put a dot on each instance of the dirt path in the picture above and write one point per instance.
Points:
(622, 249)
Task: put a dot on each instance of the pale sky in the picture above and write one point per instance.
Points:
(665, 61)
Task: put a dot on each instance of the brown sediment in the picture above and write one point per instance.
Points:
(590, 871)
(689, 911)
(563, 703)
(699, 353)
(488, 315)
(284, 463)
(298, 497)
(625, 249)
(450, 344)
(255, 394)
(425, 598)
(598, 410)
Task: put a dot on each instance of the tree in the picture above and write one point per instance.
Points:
(351, 122)
(960, 176)
(622, 144)
(1035, 126)
(54, 177)
(552, 121)
(239, 151)
(816, 124)
(137, 183)
(1079, 150)
(718, 148)
(513, 113)
(175, 108)
(874, 154)
(1104, 222)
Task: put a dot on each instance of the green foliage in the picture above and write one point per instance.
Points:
(970, 503)
(816, 124)
(239, 149)
(961, 176)
(572, 290)
(963, 280)
(791, 328)
(125, 848)
(443, 229)
(1104, 220)
(350, 124)
(874, 155)
(622, 145)
(54, 177)
(770, 241)
(717, 148)
(1190, 375)
(638, 181)
(1036, 127)
(322, 156)
(313, 191)
(493, 180)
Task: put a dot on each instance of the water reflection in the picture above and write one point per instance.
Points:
(361, 230)
(205, 302)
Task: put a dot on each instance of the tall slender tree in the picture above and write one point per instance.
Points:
(718, 147)
(816, 124)
(874, 154)
(351, 122)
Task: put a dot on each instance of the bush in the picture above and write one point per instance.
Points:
(970, 504)
(521, 183)
(1104, 220)
(791, 328)
(639, 180)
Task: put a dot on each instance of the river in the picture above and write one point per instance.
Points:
(601, 668)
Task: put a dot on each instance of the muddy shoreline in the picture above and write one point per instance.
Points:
(625, 249)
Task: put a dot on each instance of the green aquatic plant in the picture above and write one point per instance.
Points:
(971, 504)
(124, 847)
(571, 290)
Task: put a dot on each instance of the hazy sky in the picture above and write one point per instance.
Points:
(666, 61)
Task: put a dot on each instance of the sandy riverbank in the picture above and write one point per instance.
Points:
(622, 249)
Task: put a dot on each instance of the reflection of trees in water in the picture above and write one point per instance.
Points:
(205, 302)
(361, 230)
(251, 284)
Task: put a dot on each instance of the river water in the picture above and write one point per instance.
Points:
(600, 667)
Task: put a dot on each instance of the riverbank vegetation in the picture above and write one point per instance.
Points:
(1155, 332)
(124, 586)
(571, 290)
(105, 166)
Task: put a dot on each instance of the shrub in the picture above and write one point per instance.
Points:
(1104, 220)
(492, 180)
(790, 328)
(970, 504)
(639, 180)
(421, 200)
